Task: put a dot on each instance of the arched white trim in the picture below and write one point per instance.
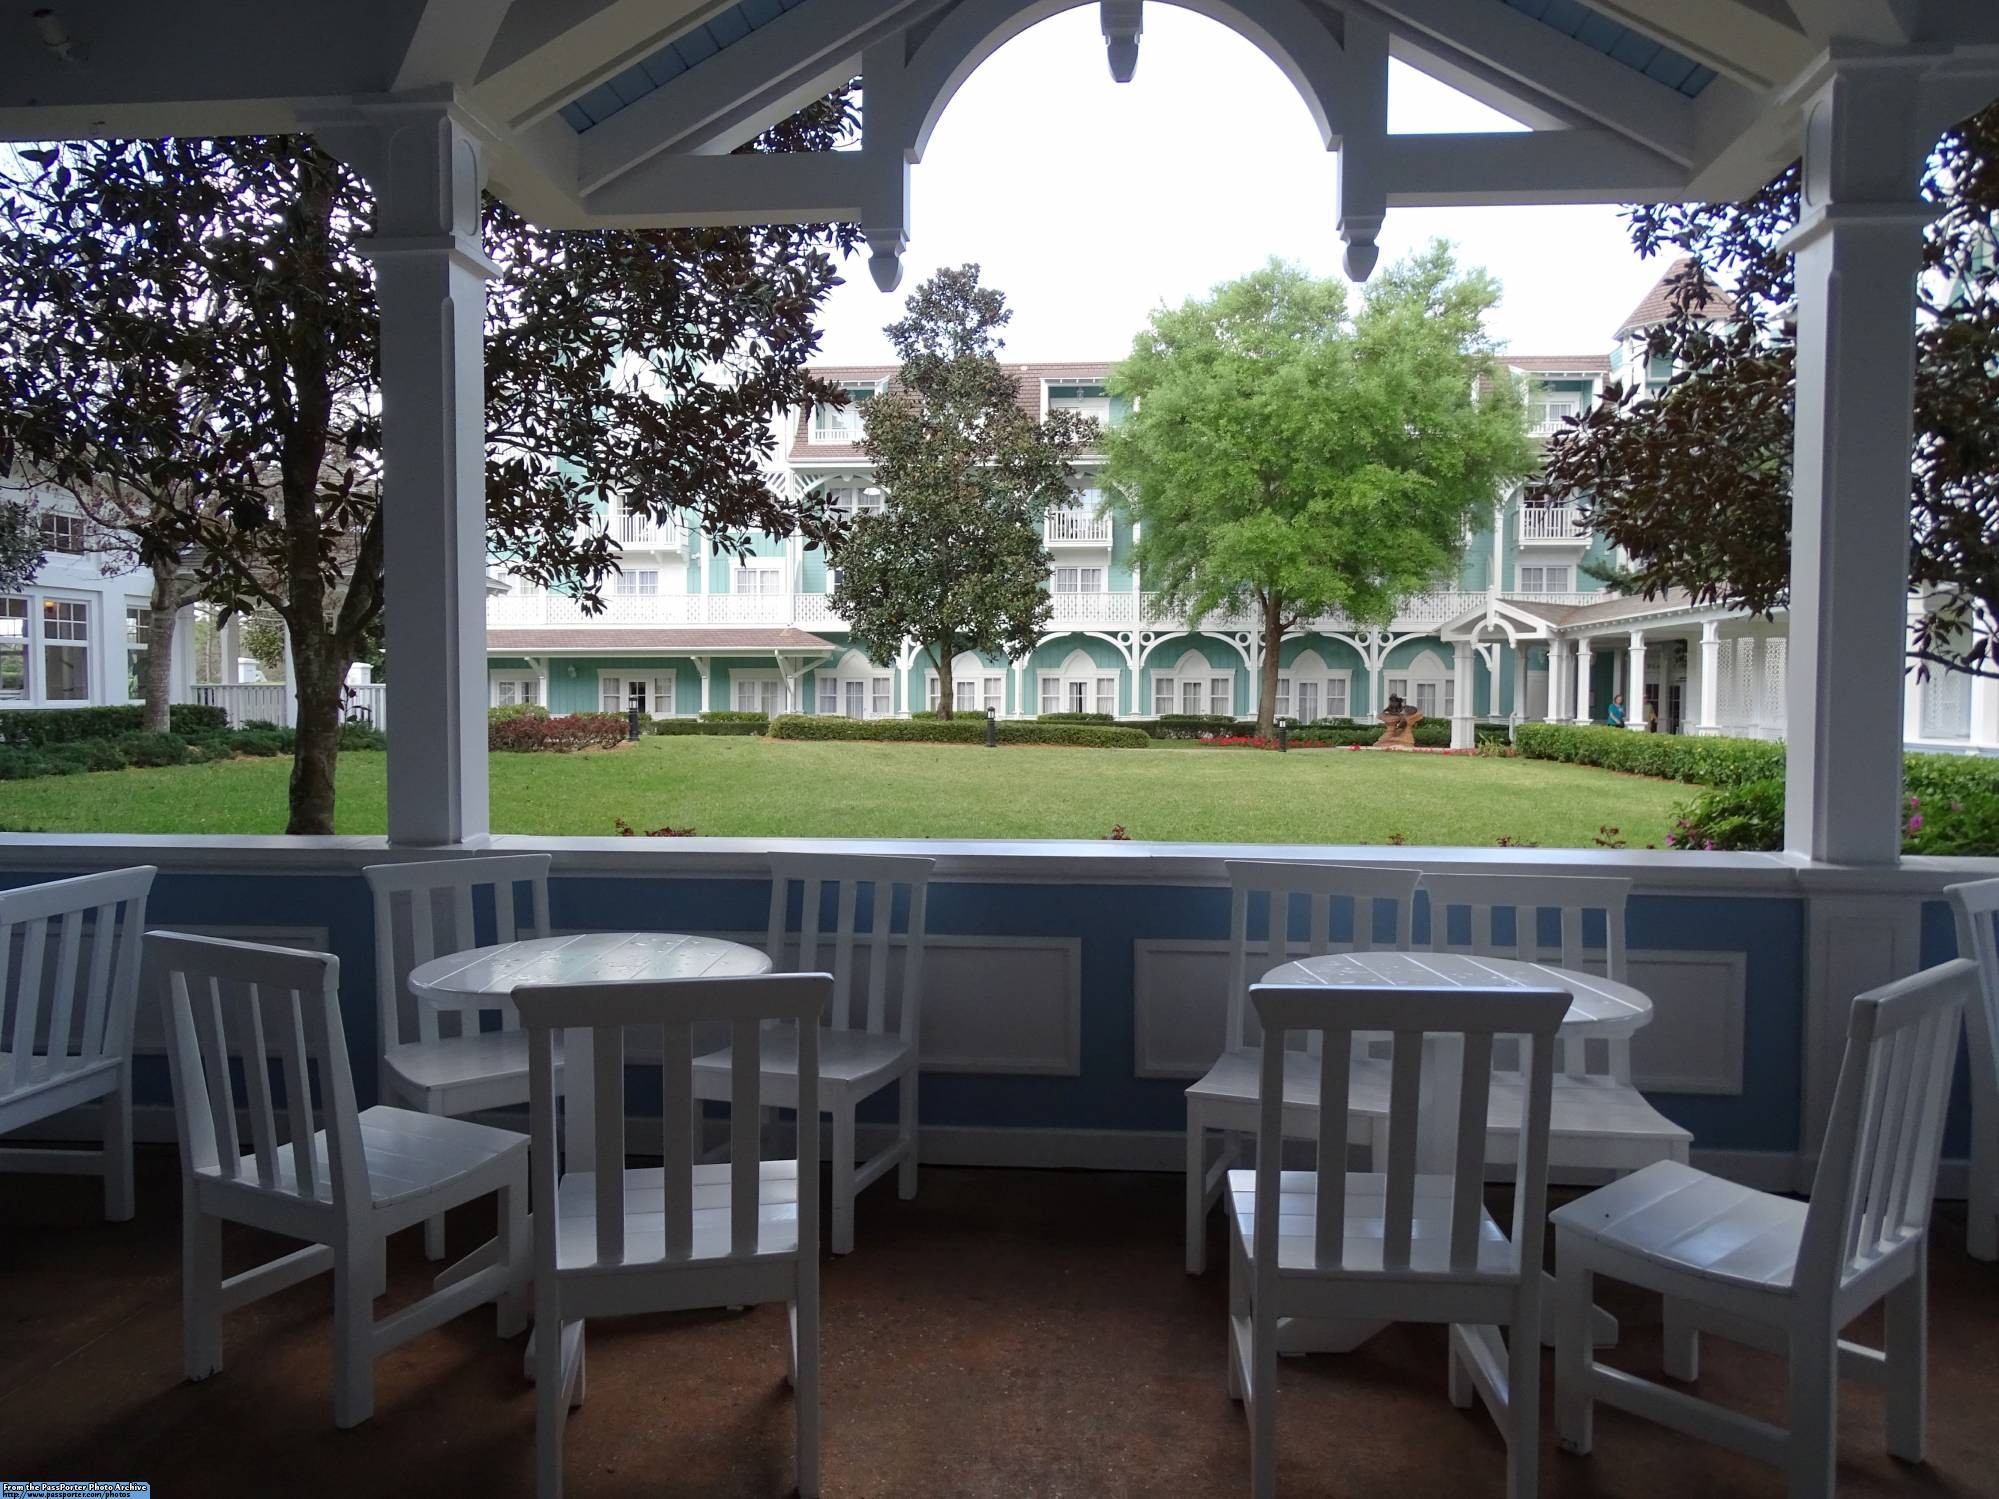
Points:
(1080, 684)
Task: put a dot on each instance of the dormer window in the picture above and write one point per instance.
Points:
(843, 423)
(1089, 397)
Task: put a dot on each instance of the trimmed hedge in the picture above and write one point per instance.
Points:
(501, 712)
(20, 727)
(1669, 757)
(956, 731)
(730, 715)
(573, 731)
(749, 724)
(1950, 805)
(1099, 718)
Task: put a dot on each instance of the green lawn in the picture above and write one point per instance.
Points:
(756, 787)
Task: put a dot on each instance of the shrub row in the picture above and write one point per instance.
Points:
(730, 715)
(1670, 757)
(738, 727)
(1950, 805)
(571, 731)
(956, 731)
(1076, 718)
(41, 726)
(501, 712)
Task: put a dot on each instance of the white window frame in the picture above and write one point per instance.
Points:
(1076, 577)
(1343, 680)
(639, 581)
(526, 688)
(135, 649)
(48, 640)
(1545, 576)
(761, 678)
(772, 567)
(48, 522)
(659, 690)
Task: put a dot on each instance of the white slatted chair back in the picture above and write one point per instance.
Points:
(429, 909)
(1877, 1169)
(1370, 897)
(1575, 899)
(596, 1018)
(54, 1001)
(841, 879)
(1977, 909)
(247, 1003)
(1471, 1018)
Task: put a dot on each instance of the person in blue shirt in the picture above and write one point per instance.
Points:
(1615, 718)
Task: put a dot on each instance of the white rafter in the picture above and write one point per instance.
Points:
(1741, 39)
(450, 43)
(676, 192)
(1532, 167)
(1553, 66)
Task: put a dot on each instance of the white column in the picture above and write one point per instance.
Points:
(703, 666)
(1519, 681)
(232, 649)
(1709, 721)
(1634, 683)
(1913, 691)
(183, 675)
(1985, 707)
(1461, 716)
(1582, 679)
(1857, 249)
(1561, 680)
(426, 165)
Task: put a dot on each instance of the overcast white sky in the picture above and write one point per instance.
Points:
(1089, 203)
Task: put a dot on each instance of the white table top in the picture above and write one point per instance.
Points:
(585, 958)
(1597, 1007)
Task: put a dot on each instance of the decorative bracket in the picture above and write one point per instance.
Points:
(1122, 24)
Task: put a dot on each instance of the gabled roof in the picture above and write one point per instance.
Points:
(1657, 304)
(1558, 364)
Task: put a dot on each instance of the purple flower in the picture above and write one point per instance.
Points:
(1709, 845)
(1916, 823)
(1669, 837)
(1915, 801)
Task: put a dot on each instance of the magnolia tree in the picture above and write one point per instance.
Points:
(1289, 455)
(1695, 483)
(954, 560)
(191, 322)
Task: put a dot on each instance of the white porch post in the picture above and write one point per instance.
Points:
(1857, 248)
(1461, 709)
(1912, 689)
(426, 166)
(232, 649)
(1582, 679)
(1519, 681)
(1634, 683)
(1709, 721)
(1561, 680)
(1985, 707)
(703, 665)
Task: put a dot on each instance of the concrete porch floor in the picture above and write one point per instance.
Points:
(1008, 1333)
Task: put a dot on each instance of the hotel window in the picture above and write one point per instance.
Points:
(640, 580)
(759, 580)
(138, 625)
(1088, 397)
(1079, 580)
(1426, 699)
(1280, 705)
(1106, 695)
(1192, 696)
(1307, 694)
(829, 696)
(1051, 693)
(856, 500)
(1336, 697)
(756, 695)
(61, 531)
(1545, 416)
(880, 695)
(13, 649)
(1544, 580)
(509, 690)
(964, 695)
(1397, 687)
(843, 422)
(992, 693)
(65, 651)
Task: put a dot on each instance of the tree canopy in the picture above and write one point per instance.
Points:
(1695, 483)
(192, 320)
(1290, 455)
(954, 560)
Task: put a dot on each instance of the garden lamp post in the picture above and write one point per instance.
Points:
(992, 728)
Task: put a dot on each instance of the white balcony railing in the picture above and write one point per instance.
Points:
(1076, 528)
(643, 533)
(1553, 523)
(837, 435)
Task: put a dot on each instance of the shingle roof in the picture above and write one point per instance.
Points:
(680, 641)
(1565, 364)
(1657, 304)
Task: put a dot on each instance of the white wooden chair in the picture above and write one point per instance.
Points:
(862, 1049)
(441, 1061)
(1977, 908)
(66, 1035)
(1399, 1244)
(1599, 1121)
(344, 1187)
(1225, 1099)
(1780, 1274)
(611, 1240)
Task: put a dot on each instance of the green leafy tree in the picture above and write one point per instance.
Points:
(20, 544)
(1290, 456)
(192, 320)
(1695, 483)
(954, 559)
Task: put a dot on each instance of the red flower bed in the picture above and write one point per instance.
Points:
(572, 731)
(1250, 741)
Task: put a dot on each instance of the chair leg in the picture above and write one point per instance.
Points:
(1982, 1231)
(805, 1388)
(200, 1289)
(1812, 1444)
(379, 1283)
(551, 1411)
(1523, 1396)
(118, 1150)
(1197, 1192)
(433, 1237)
(1907, 1347)
(843, 1175)
(1262, 1395)
(1574, 1288)
(1457, 1378)
(353, 1332)
(905, 1175)
(1238, 1307)
(1682, 1351)
(514, 1254)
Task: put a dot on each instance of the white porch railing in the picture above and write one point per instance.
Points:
(835, 435)
(1553, 523)
(1527, 596)
(642, 532)
(273, 702)
(1071, 527)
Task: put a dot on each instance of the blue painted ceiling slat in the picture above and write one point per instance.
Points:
(730, 26)
(1620, 43)
(576, 117)
(759, 12)
(696, 46)
(631, 85)
(663, 67)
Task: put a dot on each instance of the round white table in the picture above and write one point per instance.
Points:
(1598, 1007)
(484, 977)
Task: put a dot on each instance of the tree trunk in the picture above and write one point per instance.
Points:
(157, 663)
(941, 656)
(319, 673)
(1273, 645)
